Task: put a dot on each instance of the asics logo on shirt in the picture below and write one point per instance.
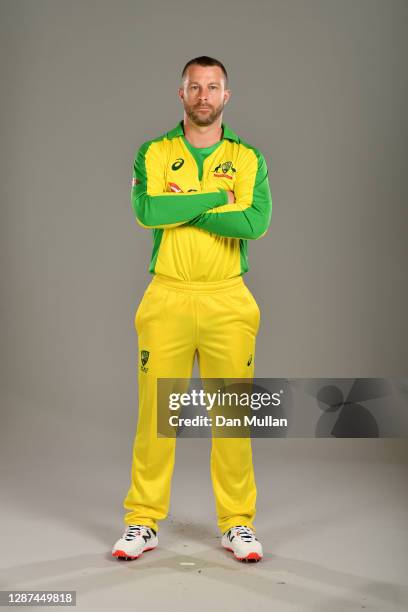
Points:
(177, 164)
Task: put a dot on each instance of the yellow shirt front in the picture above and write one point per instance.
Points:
(197, 235)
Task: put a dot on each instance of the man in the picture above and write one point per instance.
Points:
(204, 192)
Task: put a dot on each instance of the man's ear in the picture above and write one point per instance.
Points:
(180, 93)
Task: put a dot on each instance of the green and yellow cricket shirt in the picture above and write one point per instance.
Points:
(180, 192)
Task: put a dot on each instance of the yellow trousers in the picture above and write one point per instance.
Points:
(175, 319)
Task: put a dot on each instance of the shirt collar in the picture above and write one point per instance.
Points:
(179, 131)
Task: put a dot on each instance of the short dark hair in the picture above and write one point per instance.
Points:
(205, 60)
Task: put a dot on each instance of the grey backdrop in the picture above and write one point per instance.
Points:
(320, 87)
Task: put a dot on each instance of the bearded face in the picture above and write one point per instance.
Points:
(201, 114)
(203, 94)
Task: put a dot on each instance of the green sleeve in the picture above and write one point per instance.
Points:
(153, 207)
(249, 217)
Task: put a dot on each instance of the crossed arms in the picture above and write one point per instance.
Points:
(247, 218)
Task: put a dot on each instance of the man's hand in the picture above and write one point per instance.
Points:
(231, 197)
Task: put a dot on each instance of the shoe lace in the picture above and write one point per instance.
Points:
(132, 531)
(245, 533)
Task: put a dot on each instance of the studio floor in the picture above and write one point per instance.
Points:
(332, 516)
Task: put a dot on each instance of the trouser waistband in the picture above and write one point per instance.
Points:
(198, 286)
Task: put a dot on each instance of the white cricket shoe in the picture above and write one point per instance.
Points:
(242, 542)
(135, 540)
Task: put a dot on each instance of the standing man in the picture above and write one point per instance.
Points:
(204, 192)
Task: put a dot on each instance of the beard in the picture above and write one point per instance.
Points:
(199, 119)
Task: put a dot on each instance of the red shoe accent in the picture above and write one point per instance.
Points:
(252, 555)
(121, 553)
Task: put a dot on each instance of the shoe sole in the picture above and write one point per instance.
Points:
(251, 557)
(121, 555)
